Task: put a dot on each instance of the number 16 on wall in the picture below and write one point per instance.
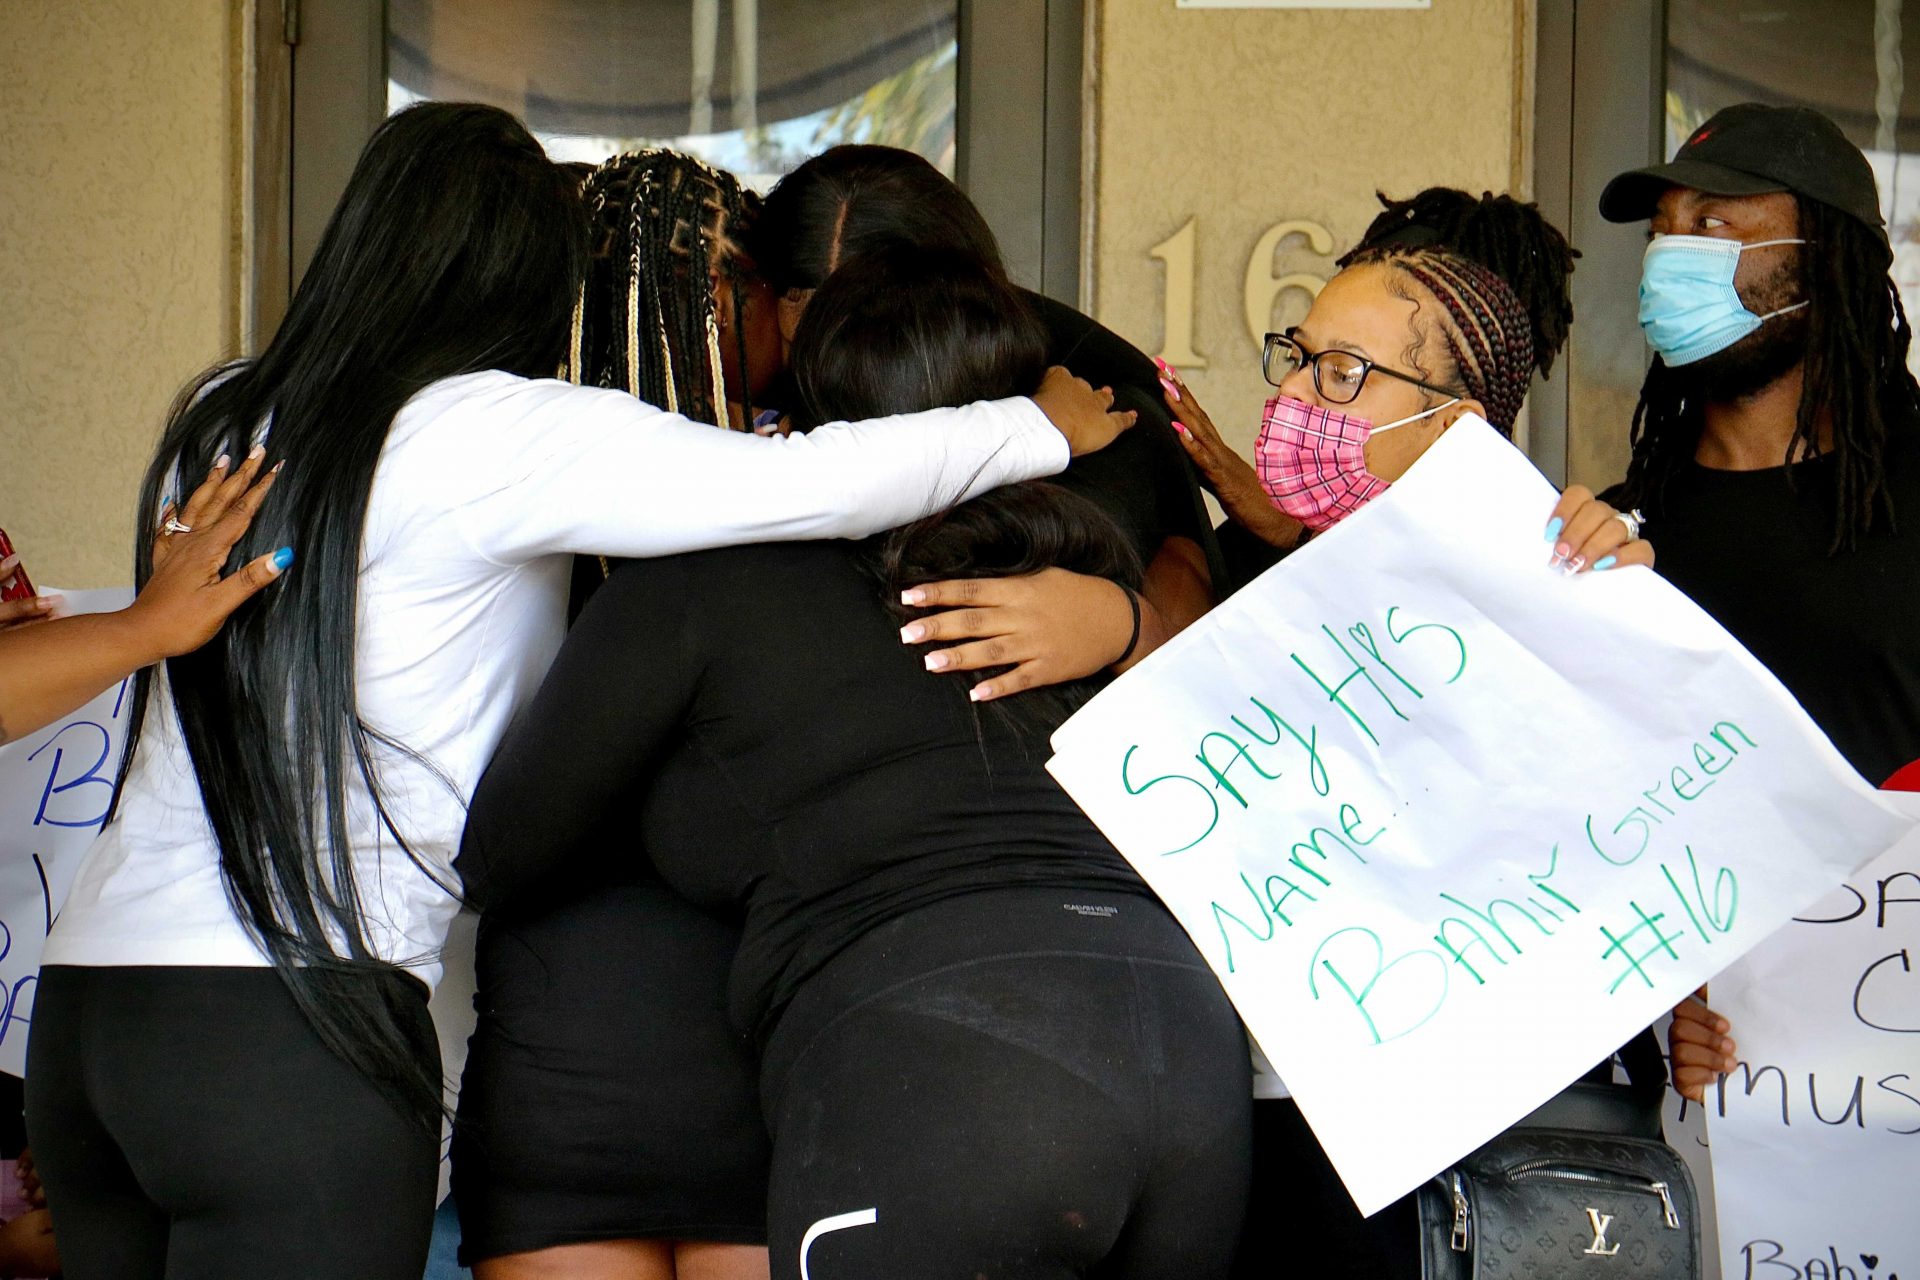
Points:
(1260, 294)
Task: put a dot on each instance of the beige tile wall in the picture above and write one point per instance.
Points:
(1243, 119)
(119, 253)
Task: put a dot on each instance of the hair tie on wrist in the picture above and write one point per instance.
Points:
(1133, 641)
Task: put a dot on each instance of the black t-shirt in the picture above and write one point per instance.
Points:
(1840, 630)
(749, 719)
(1144, 480)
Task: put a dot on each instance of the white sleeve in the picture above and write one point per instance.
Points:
(576, 469)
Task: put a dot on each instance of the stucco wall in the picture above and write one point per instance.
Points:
(119, 165)
(1242, 119)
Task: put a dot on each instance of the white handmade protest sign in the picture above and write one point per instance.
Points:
(1816, 1134)
(1452, 826)
(54, 789)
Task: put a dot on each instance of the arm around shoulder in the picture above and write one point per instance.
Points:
(597, 472)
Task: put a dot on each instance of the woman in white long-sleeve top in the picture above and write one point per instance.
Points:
(232, 1068)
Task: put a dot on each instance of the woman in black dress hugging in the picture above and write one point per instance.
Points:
(985, 1047)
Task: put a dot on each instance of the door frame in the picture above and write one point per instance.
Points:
(1599, 110)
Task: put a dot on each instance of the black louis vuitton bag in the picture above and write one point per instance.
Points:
(1585, 1186)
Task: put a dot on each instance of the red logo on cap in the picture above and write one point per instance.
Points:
(1699, 137)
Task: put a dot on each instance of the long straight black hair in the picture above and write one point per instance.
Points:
(456, 247)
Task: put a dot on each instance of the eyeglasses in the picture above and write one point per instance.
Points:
(1337, 375)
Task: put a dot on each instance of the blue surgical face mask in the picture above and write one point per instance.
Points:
(1689, 308)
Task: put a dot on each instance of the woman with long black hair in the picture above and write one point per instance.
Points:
(986, 1048)
(233, 1072)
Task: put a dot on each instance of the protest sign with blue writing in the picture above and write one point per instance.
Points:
(1452, 826)
(55, 786)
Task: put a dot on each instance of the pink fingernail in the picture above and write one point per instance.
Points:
(912, 595)
(1171, 389)
(938, 661)
(980, 692)
(1181, 427)
(220, 463)
(258, 451)
(912, 633)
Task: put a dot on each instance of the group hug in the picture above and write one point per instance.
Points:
(688, 581)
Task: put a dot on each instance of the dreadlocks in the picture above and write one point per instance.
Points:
(1855, 367)
(1488, 337)
(645, 320)
(1504, 235)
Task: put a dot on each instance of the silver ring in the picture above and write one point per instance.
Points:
(174, 526)
(1633, 520)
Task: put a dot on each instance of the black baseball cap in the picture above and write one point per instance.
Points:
(1752, 149)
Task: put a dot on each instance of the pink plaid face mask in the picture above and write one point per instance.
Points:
(1313, 461)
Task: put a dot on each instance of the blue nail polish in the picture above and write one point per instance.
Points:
(1604, 563)
(1553, 528)
(283, 557)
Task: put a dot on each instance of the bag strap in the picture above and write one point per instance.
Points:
(1646, 1069)
(1596, 1104)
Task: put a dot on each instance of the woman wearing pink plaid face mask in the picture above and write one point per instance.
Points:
(1398, 346)
(1408, 338)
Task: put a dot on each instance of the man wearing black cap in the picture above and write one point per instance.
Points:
(1777, 439)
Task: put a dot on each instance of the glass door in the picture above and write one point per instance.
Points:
(988, 90)
(748, 86)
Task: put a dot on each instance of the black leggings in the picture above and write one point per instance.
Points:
(1013, 1083)
(189, 1124)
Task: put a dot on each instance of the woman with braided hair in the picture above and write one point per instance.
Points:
(608, 1122)
(1411, 337)
(1464, 344)
(1526, 254)
(654, 217)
